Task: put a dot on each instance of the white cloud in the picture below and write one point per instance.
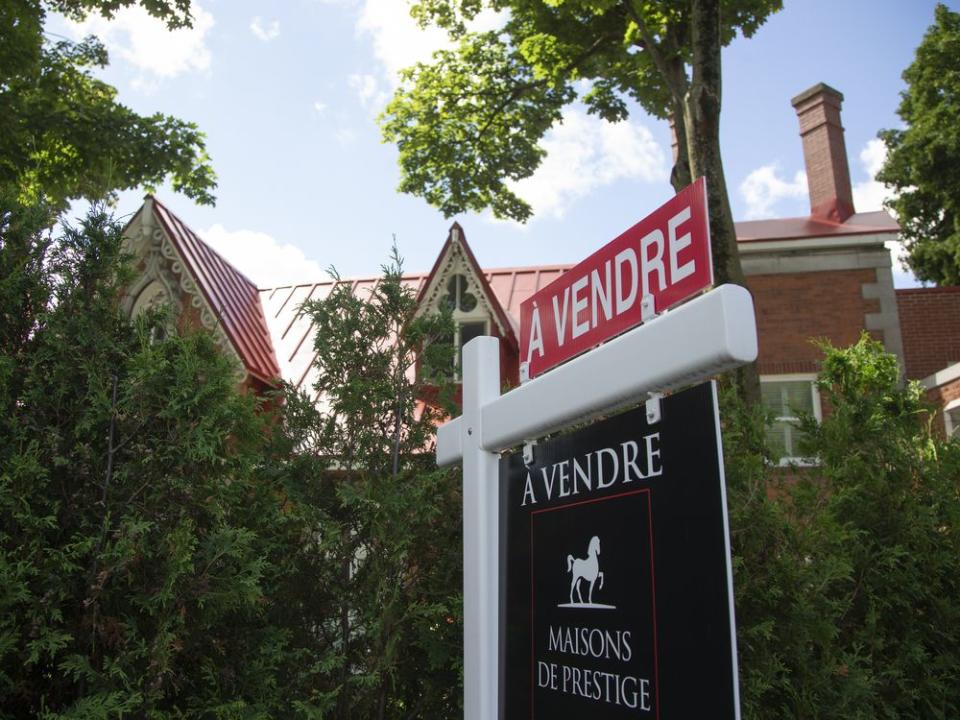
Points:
(585, 154)
(763, 188)
(320, 107)
(869, 195)
(398, 42)
(261, 258)
(146, 43)
(367, 89)
(265, 34)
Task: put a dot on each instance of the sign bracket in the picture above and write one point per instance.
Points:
(648, 312)
(528, 445)
(648, 308)
(529, 457)
(653, 408)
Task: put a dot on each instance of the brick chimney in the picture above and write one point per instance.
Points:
(824, 153)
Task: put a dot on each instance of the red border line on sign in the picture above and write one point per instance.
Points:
(653, 586)
(653, 599)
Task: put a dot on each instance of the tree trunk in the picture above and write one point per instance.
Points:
(701, 115)
(342, 710)
(382, 701)
(680, 173)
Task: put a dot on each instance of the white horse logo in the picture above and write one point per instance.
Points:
(588, 569)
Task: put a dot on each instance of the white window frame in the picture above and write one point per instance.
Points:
(460, 317)
(817, 412)
(948, 421)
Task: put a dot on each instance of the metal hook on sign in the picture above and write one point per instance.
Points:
(648, 309)
(528, 455)
(653, 408)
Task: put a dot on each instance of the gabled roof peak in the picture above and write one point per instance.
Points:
(457, 238)
(456, 233)
(231, 296)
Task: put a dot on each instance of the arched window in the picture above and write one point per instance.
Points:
(154, 295)
(468, 314)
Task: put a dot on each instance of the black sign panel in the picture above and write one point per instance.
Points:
(615, 596)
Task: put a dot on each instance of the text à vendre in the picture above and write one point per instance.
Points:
(597, 470)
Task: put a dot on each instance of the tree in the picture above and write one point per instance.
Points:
(471, 122)
(142, 551)
(846, 573)
(923, 159)
(63, 135)
(385, 571)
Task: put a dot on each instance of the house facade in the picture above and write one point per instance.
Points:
(824, 275)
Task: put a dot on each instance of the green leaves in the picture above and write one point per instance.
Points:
(470, 124)
(175, 13)
(846, 572)
(383, 569)
(123, 578)
(922, 160)
(64, 136)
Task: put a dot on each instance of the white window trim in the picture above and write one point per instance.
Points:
(947, 420)
(817, 412)
(479, 314)
(460, 319)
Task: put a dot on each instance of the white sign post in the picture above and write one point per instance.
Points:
(709, 335)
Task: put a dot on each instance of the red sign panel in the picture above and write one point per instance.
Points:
(665, 255)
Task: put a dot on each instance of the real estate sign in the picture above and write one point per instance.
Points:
(616, 597)
(665, 256)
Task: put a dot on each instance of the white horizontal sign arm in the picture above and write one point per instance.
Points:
(709, 335)
(449, 449)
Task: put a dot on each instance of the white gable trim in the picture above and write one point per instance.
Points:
(146, 240)
(455, 261)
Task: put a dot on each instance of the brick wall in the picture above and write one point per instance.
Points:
(792, 308)
(930, 324)
(948, 392)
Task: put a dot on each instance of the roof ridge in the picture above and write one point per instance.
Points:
(333, 281)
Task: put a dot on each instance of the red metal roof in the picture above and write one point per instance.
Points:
(232, 297)
(510, 286)
(799, 228)
(293, 333)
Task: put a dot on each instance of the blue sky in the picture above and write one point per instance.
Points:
(288, 92)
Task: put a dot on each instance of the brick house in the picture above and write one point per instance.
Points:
(825, 275)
